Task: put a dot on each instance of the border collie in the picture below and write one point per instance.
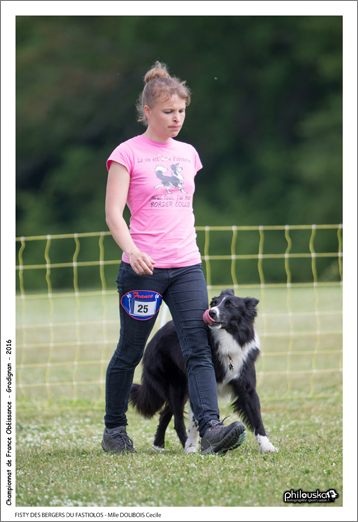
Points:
(235, 347)
(175, 180)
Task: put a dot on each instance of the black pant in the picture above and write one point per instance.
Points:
(184, 291)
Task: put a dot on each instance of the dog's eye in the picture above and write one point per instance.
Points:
(228, 303)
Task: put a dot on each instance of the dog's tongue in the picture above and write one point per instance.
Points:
(207, 317)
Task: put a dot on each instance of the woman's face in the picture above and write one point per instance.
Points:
(165, 119)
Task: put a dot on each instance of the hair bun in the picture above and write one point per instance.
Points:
(159, 70)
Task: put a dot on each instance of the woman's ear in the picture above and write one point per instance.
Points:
(147, 111)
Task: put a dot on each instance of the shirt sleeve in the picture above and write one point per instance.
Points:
(122, 154)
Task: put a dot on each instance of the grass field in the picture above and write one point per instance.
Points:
(59, 424)
(60, 461)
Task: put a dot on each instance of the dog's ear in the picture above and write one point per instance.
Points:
(251, 303)
(228, 291)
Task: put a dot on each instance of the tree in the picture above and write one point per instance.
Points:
(266, 114)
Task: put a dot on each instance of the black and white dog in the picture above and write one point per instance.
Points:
(235, 348)
(175, 180)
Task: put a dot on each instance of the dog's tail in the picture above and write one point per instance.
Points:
(159, 171)
(145, 400)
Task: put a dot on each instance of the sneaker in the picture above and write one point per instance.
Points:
(117, 440)
(220, 438)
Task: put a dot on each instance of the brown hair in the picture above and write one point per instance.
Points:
(158, 82)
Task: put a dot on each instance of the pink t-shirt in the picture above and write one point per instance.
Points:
(160, 199)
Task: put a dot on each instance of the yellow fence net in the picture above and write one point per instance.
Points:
(66, 336)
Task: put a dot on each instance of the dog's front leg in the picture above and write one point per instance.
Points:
(192, 442)
(247, 405)
(264, 444)
(263, 441)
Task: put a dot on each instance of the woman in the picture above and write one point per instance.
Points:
(154, 175)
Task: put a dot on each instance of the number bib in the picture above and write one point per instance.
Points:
(141, 304)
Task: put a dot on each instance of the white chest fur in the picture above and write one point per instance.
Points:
(229, 352)
(232, 355)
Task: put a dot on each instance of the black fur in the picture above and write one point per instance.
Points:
(164, 376)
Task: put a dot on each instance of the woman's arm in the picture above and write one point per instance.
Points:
(116, 197)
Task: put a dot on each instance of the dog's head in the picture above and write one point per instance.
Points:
(232, 313)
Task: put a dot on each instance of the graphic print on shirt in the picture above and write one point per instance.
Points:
(173, 180)
(163, 158)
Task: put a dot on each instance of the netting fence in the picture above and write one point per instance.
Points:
(66, 333)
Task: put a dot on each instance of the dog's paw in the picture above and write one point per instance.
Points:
(157, 448)
(265, 445)
(269, 448)
(191, 449)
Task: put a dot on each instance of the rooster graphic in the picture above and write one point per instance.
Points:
(175, 180)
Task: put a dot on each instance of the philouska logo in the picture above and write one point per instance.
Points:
(309, 497)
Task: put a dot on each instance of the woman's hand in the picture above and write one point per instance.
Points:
(141, 263)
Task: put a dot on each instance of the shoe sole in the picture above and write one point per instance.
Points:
(233, 440)
(239, 442)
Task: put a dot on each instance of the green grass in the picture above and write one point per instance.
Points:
(60, 461)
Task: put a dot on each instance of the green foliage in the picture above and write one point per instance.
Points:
(266, 114)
